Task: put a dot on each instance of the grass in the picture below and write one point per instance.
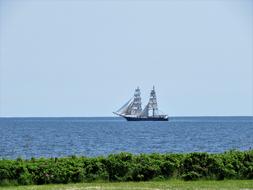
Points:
(151, 185)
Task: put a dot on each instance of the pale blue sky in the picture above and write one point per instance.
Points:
(85, 58)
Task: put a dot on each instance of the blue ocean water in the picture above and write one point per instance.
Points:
(57, 137)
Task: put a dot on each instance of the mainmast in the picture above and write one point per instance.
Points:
(152, 104)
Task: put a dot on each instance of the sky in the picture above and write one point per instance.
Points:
(63, 58)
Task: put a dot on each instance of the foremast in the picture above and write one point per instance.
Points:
(133, 106)
(136, 106)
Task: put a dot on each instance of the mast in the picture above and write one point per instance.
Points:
(133, 106)
(136, 105)
(152, 104)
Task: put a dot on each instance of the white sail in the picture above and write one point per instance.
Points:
(128, 110)
(144, 112)
(133, 106)
(125, 107)
(153, 107)
(136, 105)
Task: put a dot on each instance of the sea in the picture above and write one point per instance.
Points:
(101, 136)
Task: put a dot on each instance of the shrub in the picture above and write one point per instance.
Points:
(128, 167)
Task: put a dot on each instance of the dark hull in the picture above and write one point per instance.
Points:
(146, 118)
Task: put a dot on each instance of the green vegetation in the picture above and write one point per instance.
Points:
(127, 167)
(151, 185)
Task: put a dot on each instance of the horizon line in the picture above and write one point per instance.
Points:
(120, 117)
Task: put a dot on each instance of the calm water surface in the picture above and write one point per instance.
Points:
(54, 137)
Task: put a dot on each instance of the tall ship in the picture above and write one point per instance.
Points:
(132, 110)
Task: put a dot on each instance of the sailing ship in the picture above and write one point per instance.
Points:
(132, 110)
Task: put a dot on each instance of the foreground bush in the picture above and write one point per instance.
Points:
(128, 167)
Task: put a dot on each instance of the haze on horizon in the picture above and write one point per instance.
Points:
(85, 58)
